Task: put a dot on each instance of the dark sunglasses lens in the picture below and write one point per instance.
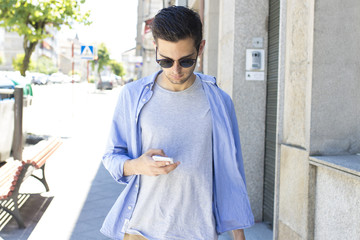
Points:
(166, 63)
(186, 63)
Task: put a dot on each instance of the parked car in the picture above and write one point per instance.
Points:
(6, 83)
(117, 80)
(39, 78)
(17, 79)
(105, 83)
(59, 77)
(129, 80)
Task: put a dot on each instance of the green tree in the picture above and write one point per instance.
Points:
(117, 68)
(18, 61)
(103, 59)
(45, 65)
(30, 18)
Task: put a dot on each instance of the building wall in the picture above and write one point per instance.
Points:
(211, 31)
(2, 50)
(147, 9)
(239, 23)
(336, 79)
(250, 96)
(294, 172)
(280, 111)
(321, 115)
(335, 118)
(337, 208)
(13, 45)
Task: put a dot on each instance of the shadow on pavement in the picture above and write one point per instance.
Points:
(101, 197)
(31, 212)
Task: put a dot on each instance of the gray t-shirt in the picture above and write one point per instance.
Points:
(177, 205)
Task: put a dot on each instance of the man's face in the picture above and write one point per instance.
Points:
(177, 77)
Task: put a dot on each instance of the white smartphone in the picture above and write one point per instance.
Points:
(163, 159)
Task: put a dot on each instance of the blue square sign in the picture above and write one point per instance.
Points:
(87, 52)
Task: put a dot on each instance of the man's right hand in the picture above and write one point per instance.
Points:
(145, 165)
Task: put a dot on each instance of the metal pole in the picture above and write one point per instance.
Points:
(18, 127)
(87, 70)
(73, 62)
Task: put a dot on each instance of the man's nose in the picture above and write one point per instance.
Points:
(177, 67)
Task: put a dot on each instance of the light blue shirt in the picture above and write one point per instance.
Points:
(231, 206)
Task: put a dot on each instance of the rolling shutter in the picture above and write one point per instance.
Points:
(271, 110)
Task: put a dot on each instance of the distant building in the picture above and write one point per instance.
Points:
(132, 64)
(48, 47)
(11, 44)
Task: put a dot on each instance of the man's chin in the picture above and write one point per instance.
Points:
(179, 80)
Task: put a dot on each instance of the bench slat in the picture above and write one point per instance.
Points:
(48, 146)
(9, 175)
(42, 161)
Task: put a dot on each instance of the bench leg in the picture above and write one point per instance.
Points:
(43, 179)
(15, 213)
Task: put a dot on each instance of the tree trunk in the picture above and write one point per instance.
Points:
(29, 48)
(100, 81)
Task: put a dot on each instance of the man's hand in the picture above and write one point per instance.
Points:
(239, 234)
(145, 165)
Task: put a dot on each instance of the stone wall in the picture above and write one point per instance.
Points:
(239, 23)
(318, 199)
(294, 166)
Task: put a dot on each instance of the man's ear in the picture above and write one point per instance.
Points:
(201, 47)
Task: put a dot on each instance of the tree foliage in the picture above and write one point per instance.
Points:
(103, 58)
(117, 68)
(45, 65)
(31, 18)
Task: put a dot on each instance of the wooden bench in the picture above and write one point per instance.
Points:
(13, 173)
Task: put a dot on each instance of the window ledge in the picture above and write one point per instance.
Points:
(349, 164)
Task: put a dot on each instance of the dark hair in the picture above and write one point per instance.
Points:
(177, 23)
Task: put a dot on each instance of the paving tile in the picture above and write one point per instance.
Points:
(89, 235)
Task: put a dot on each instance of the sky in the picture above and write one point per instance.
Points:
(114, 23)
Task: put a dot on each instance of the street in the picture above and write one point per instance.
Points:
(70, 110)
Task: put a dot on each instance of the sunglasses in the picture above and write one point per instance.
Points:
(168, 63)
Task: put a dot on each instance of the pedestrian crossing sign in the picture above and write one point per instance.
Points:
(87, 52)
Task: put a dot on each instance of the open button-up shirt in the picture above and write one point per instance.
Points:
(231, 206)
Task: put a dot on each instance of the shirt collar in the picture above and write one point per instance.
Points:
(150, 80)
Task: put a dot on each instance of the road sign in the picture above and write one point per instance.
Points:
(87, 52)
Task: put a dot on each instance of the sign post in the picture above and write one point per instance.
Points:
(87, 52)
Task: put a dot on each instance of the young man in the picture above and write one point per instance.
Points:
(185, 116)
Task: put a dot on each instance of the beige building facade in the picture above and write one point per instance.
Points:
(298, 110)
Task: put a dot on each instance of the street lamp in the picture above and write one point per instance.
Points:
(72, 57)
(73, 62)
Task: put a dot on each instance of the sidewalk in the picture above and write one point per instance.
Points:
(82, 191)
